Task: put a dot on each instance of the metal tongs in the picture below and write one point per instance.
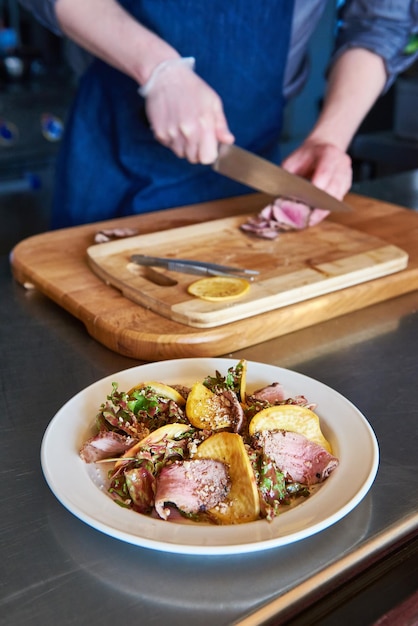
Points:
(188, 266)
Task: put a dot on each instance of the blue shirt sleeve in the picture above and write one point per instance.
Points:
(44, 12)
(384, 27)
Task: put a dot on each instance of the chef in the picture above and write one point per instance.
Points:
(171, 79)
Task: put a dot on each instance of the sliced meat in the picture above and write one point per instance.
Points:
(283, 215)
(290, 215)
(105, 445)
(275, 394)
(272, 394)
(229, 401)
(109, 234)
(192, 486)
(301, 460)
(316, 216)
(260, 228)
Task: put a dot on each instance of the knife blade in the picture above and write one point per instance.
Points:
(187, 266)
(258, 173)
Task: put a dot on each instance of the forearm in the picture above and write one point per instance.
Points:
(106, 30)
(355, 82)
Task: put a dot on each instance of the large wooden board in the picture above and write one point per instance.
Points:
(295, 267)
(56, 264)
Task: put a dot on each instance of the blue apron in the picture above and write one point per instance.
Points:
(110, 165)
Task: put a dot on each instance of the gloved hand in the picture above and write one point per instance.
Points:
(185, 114)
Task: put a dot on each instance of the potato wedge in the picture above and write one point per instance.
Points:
(162, 390)
(203, 409)
(169, 430)
(242, 503)
(294, 418)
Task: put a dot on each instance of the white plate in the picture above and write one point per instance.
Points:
(77, 485)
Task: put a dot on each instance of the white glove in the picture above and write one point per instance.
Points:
(185, 114)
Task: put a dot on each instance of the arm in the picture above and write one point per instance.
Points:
(355, 82)
(381, 26)
(371, 50)
(185, 114)
(106, 30)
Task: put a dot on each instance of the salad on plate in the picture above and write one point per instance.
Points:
(211, 453)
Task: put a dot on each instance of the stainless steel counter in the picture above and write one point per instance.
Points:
(56, 569)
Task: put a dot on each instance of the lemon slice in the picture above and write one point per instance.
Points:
(160, 388)
(219, 288)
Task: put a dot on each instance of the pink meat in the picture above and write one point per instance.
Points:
(273, 394)
(301, 460)
(290, 215)
(109, 234)
(105, 445)
(317, 215)
(283, 215)
(192, 486)
(228, 400)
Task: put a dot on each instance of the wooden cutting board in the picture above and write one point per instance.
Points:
(57, 264)
(292, 268)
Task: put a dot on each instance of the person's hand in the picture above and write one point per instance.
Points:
(186, 114)
(325, 165)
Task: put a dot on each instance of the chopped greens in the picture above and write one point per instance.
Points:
(151, 429)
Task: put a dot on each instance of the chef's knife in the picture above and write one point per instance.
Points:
(260, 174)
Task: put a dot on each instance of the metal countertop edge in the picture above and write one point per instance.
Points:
(317, 586)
